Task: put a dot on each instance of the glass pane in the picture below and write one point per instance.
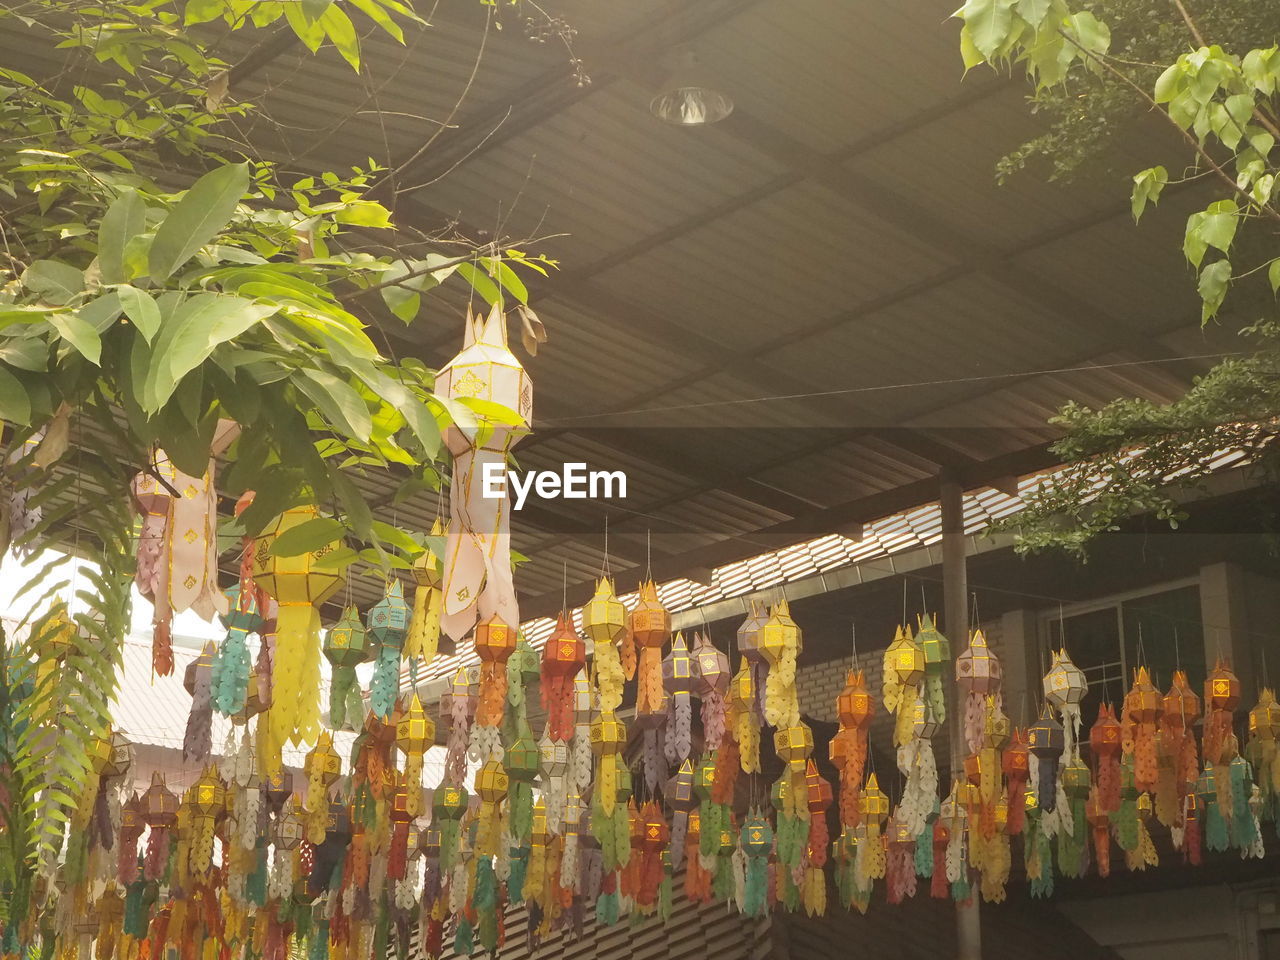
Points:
(1169, 629)
(1093, 641)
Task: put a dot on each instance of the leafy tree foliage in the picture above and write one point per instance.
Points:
(157, 276)
(1212, 77)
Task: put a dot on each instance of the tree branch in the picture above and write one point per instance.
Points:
(1195, 144)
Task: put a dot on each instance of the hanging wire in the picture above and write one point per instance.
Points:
(605, 571)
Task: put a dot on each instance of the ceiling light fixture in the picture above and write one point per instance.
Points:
(686, 99)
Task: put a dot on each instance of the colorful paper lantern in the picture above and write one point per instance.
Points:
(299, 585)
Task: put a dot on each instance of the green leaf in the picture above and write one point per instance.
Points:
(339, 28)
(187, 339)
(101, 312)
(80, 334)
(1033, 11)
(305, 25)
(374, 11)
(1218, 228)
(480, 282)
(1213, 287)
(141, 309)
(307, 537)
(1261, 67)
(1169, 83)
(28, 353)
(1273, 274)
(511, 282)
(53, 281)
(989, 22)
(1090, 32)
(1147, 186)
(15, 405)
(124, 220)
(197, 218)
(968, 52)
(339, 403)
(359, 516)
(364, 213)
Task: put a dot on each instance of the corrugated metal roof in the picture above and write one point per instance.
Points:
(842, 230)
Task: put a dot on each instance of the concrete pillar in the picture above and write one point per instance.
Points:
(955, 591)
(1224, 613)
(1024, 665)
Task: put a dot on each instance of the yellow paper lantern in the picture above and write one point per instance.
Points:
(299, 584)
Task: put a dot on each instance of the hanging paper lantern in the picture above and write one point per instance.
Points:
(1142, 707)
(1178, 756)
(995, 737)
(231, 670)
(781, 642)
(1104, 740)
(756, 841)
(1045, 740)
(299, 585)
(1015, 764)
(794, 746)
(492, 785)
(277, 787)
(608, 739)
(178, 544)
(553, 765)
(1221, 697)
(848, 749)
(902, 681)
(651, 628)
(1064, 687)
(494, 643)
(936, 647)
(322, 767)
(477, 561)
(197, 680)
(415, 734)
(160, 813)
(209, 797)
(562, 658)
(345, 645)
(678, 792)
(742, 720)
(388, 625)
(132, 824)
(752, 652)
(978, 673)
(710, 670)
(423, 638)
(680, 672)
(1263, 749)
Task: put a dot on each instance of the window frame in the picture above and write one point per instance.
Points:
(1115, 601)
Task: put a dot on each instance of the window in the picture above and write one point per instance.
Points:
(1111, 639)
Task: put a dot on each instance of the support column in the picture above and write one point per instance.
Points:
(955, 593)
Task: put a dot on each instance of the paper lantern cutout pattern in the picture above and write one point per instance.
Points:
(477, 583)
